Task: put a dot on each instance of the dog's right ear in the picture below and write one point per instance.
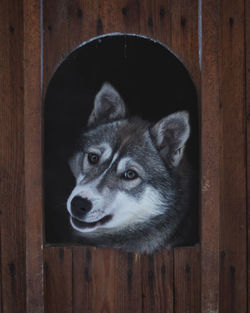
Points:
(170, 135)
(75, 164)
(108, 106)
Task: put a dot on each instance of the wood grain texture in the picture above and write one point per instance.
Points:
(128, 295)
(157, 282)
(233, 268)
(210, 156)
(58, 280)
(82, 21)
(33, 156)
(56, 40)
(185, 43)
(113, 281)
(185, 36)
(13, 291)
(187, 288)
(223, 196)
(105, 280)
(247, 71)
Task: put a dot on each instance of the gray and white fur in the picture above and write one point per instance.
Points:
(134, 189)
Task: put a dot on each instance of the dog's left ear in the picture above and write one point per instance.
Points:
(170, 135)
(108, 106)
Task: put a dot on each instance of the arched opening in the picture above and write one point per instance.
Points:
(150, 78)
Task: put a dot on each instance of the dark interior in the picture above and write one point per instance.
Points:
(152, 81)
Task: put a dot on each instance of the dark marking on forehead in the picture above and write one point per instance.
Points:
(132, 132)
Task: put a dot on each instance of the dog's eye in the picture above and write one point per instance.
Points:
(93, 158)
(129, 175)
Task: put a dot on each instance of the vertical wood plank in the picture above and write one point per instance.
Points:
(1, 294)
(82, 21)
(147, 18)
(210, 158)
(93, 288)
(82, 280)
(105, 280)
(33, 155)
(185, 43)
(247, 71)
(118, 16)
(12, 213)
(58, 280)
(56, 47)
(233, 167)
(155, 20)
(224, 240)
(187, 289)
(128, 283)
(184, 34)
(157, 282)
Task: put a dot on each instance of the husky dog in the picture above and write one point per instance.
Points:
(134, 189)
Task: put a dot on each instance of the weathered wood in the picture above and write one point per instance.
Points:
(13, 291)
(58, 280)
(82, 280)
(233, 164)
(187, 289)
(118, 16)
(157, 282)
(247, 71)
(55, 26)
(83, 21)
(105, 280)
(128, 283)
(223, 197)
(210, 159)
(185, 35)
(33, 156)
(155, 20)
(185, 43)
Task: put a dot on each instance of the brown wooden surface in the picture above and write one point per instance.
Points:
(33, 156)
(233, 268)
(210, 155)
(223, 158)
(157, 282)
(247, 71)
(185, 34)
(21, 230)
(12, 213)
(187, 289)
(58, 280)
(105, 280)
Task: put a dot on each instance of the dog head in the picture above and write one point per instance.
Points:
(123, 169)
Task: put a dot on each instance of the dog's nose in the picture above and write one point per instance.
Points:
(80, 206)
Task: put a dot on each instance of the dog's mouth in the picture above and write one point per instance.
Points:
(81, 224)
